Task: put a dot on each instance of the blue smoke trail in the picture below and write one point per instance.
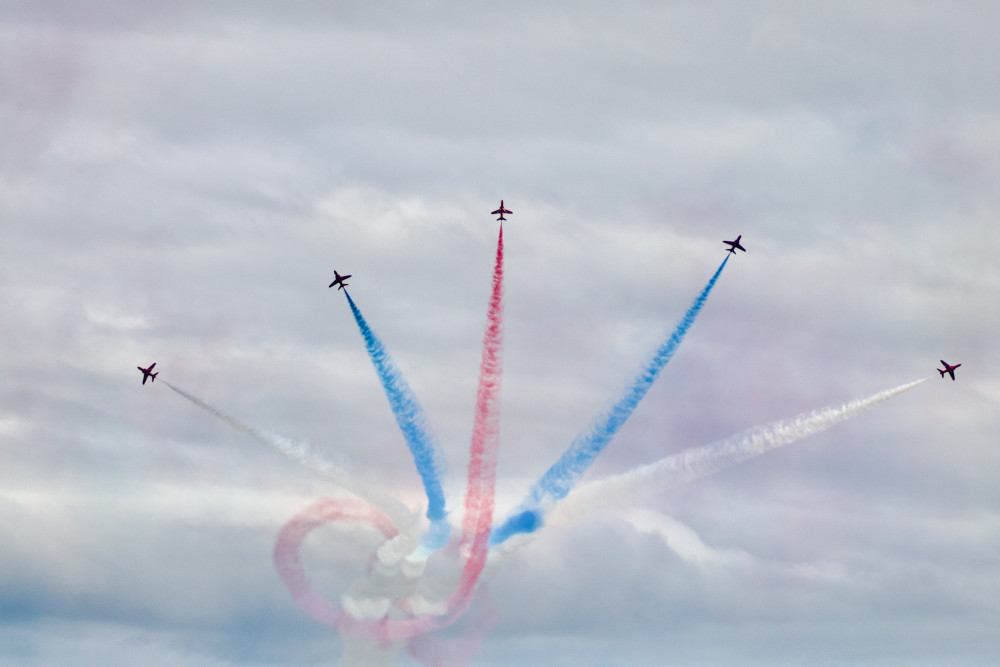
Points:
(566, 472)
(412, 422)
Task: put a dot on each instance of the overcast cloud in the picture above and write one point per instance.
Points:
(178, 182)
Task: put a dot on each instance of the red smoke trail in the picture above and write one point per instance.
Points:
(289, 542)
(479, 500)
(479, 492)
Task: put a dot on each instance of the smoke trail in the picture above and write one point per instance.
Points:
(479, 496)
(401, 517)
(413, 423)
(289, 542)
(299, 452)
(566, 472)
(476, 522)
(619, 491)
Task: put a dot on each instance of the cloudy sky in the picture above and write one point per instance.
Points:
(179, 180)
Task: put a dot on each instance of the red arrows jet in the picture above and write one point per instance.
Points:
(148, 374)
(950, 370)
(338, 280)
(501, 211)
(735, 245)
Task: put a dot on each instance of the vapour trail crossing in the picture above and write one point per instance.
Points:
(479, 495)
(566, 472)
(413, 423)
(476, 522)
(620, 491)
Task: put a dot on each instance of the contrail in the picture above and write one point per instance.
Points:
(413, 423)
(400, 516)
(624, 490)
(566, 472)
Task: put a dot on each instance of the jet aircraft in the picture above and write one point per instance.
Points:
(735, 245)
(949, 369)
(501, 211)
(148, 374)
(338, 280)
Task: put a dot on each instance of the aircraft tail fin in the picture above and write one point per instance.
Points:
(152, 377)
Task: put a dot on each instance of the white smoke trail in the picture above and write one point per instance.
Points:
(622, 491)
(393, 551)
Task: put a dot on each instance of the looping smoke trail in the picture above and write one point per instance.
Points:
(405, 524)
(566, 472)
(413, 423)
(292, 535)
(478, 507)
(425, 648)
(619, 491)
